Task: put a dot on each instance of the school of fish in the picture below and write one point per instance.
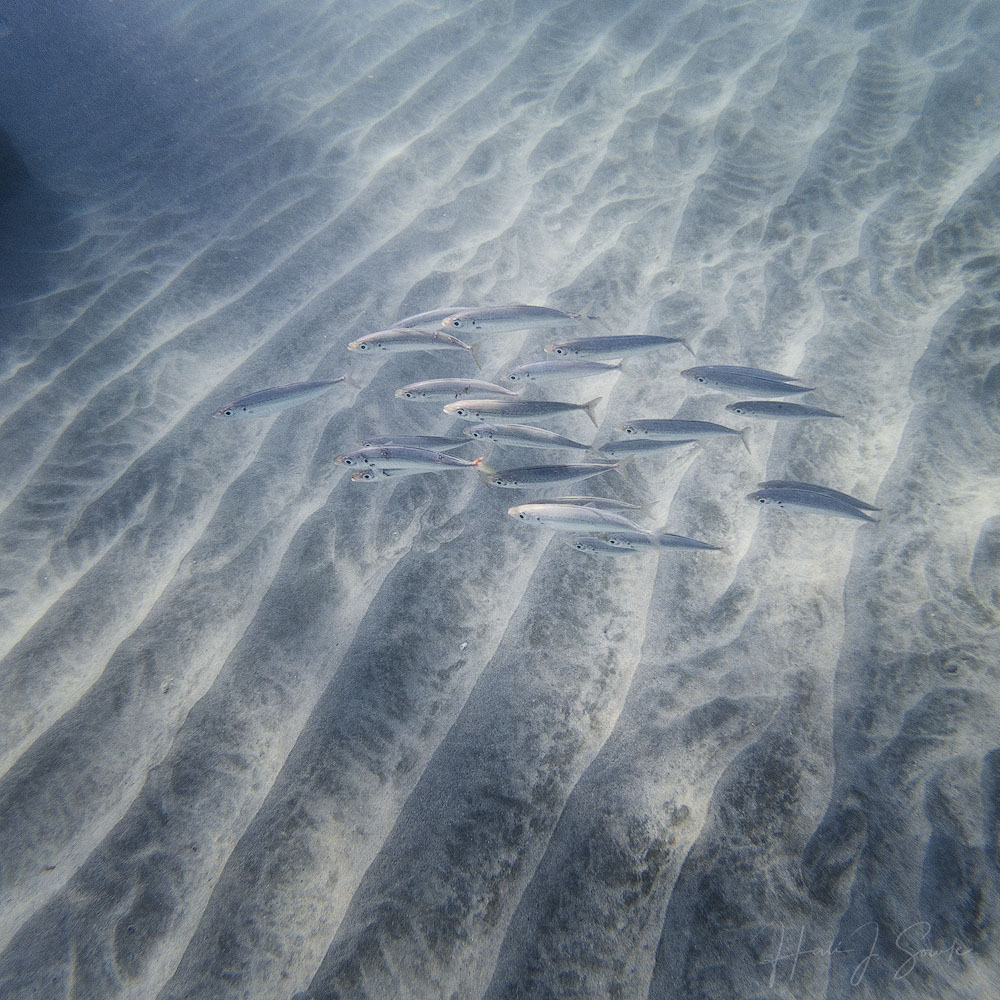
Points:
(596, 525)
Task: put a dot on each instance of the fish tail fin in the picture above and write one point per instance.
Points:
(475, 356)
(745, 439)
(355, 380)
(590, 406)
(588, 317)
(687, 347)
(648, 508)
(629, 471)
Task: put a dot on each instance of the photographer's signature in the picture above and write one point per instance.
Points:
(913, 943)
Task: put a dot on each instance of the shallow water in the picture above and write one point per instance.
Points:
(267, 732)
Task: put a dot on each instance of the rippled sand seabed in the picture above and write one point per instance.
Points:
(269, 733)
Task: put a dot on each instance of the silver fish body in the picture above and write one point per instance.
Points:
(516, 409)
(431, 318)
(571, 517)
(655, 540)
(451, 388)
(680, 430)
(273, 400)
(524, 436)
(599, 547)
(640, 446)
(602, 503)
(539, 371)
(613, 347)
(809, 500)
(432, 442)
(762, 372)
(793, 484)
(407, 340)
(369, 475)
(389, 457)
(543, 475)
(729, 378)
(507, 319)
(779, 409)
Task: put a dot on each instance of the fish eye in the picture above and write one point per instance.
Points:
(521, 516)
(362, 347)
(456, 323)
(461, 411)
(737, 409)
(700, 378)
(761, 500)
(228, 413)
(629, 430)
(348, 461)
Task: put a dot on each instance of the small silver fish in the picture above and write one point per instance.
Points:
(778, 409)
(809, 500)
(793, 484)
(657, 540)
(516, 409)
(281, 397)
(450, 388)
(546, 370)
(407, 340)
(729, 378)
(613, 347)
(639, 446)
(600, 547)
(762, 372)
(381, 475)
(680, 430)
(571, 517)
(431, 318)
(602, 503)
(506, 319)
(388, 457)
(432, 442)
(543, 475)
(524, 436)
